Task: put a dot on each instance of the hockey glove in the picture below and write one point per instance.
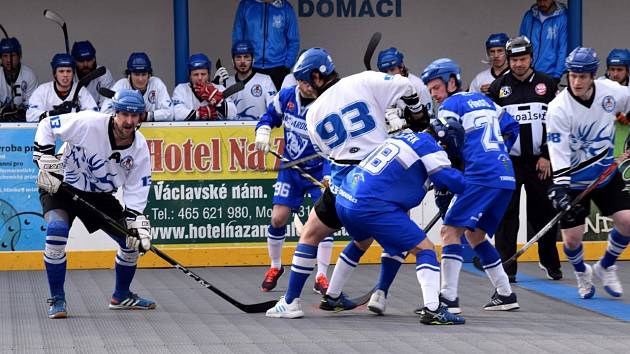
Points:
(140, 238)
(63, 108)
(443, 199)
(50, 173)
(221, 75)
(262, 138)
(394, 120)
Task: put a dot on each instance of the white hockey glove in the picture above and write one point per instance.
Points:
(262, 138)
(393, 118)
(221, 75)
(140, 238)
(50, 173)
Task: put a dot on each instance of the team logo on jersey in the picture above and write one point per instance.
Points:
(609, 103)
(295, 145)
(505, 91)
(290, 106)
(541, 89)
(23, 85)
(151, 97)
(127, 163)
(256, 90)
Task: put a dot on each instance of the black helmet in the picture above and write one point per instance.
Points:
(519, 46)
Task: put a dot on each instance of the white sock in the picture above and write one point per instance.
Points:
(450, 277)
(324, 251)
(275, 251)
(499, 280)
(342, 272)
(429, 280)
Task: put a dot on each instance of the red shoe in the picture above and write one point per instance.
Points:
(321, 284)
(271, 279)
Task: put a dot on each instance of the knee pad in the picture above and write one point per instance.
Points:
(56, 240)
(127, 257)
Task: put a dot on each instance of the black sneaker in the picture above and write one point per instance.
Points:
(340, 303)
(552, 274)
(451, 305)
(502, 303)
(512, 278)
(441, 316)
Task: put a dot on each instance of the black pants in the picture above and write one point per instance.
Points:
(277, 74)
(539, 213)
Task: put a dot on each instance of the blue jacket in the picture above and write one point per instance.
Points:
(549, 39)
(272, 29)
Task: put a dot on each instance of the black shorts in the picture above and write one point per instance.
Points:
(326, 211)
(610, 199)
(104, 202)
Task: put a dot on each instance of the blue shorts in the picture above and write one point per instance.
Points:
(478, 207)
(393, 230)
(290, 187)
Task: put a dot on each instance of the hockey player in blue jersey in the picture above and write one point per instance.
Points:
(375, 197)
(489, 183)
(581, 136)
(288, 108)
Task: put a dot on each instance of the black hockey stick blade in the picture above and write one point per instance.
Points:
(120, 231)
(218, 64)
(55, 17)
(6, 35)
(233, 89)
(360, 300)
(369, 51)
(96, 73)
(105, 92)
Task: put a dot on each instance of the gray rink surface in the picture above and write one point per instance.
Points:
(192, 319)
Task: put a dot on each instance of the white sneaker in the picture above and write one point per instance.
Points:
(609, 279)
(585, 283)
(377, 302)
(284, 310)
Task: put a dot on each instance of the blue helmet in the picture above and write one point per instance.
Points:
(497, 40)
(62, 60)
(198, 61)
(83, 50)
(242, 47)
(582, 60)
(618, 57)
(450, 133)
(389, 58)
(314, 59)
(10, 45)
(139, 62)
(130, 101)
(442, 68)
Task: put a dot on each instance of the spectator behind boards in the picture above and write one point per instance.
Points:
(271, 25)
(545, 24)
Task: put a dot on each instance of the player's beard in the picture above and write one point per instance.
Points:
(124, 131)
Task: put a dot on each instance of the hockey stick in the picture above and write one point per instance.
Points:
(553, 221)
(123, 232)
(369, 51)
(96, 73)
(105, 92)
(4, 32)
(300, 170)
(53, 16)
(219, 66)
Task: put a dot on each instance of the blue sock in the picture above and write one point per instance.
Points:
(124, 276)
(617, 243)
(277, 232)
(488, 255)
(55, 257)
(427, 259)
(304, 260)
(389, 268)
(576, 257)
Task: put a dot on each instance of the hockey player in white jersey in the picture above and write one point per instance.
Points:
(94, 171)
(140, 77)
(17, 82)
(390, 61)
(580, 135)
(55, 97)
(252, 101)
(495, 50)
(84, 55)
(199, 99)
(346, 122)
